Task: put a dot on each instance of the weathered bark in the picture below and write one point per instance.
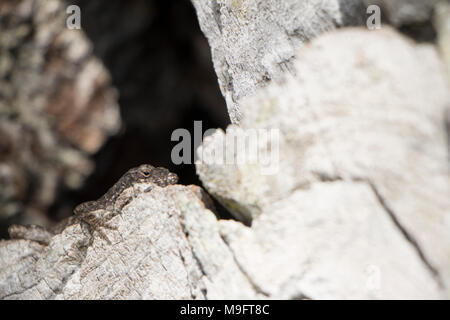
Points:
(167, 245)
(362, 190)
(342, 218)
(362, 185)
(358, 205)
(254, 42)
(57, 106)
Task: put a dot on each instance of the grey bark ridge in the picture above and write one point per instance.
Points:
(166, 245)
(254, 42)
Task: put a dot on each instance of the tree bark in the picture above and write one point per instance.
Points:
(357, 204)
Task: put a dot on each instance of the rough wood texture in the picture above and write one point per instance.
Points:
(167, 246)
(254, 42)
(359, 207)
(57, 106)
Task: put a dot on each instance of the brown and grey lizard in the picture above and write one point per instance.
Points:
(97, 213)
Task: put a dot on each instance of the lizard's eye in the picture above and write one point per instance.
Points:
(146, 173)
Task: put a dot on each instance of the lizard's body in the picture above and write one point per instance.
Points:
(97, 213)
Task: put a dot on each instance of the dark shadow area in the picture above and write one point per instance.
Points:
(349, 9)
(160, 63)
(419, 31)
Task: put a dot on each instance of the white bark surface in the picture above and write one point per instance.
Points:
(360, 205)
(254, 42)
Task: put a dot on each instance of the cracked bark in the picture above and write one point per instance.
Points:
(149, 257)
(254, 285)
(324, 177)
(409, 237)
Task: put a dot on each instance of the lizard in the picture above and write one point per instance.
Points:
(96, 214)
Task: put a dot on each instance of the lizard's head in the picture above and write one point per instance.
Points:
(160, 176)
(145, 170)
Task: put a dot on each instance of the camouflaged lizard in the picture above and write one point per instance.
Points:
(97, 213)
